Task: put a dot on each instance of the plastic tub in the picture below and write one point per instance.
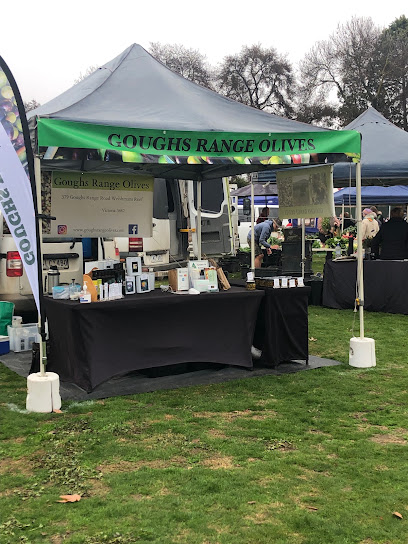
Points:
(22, 338)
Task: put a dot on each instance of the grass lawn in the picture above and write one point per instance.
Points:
(317, 457)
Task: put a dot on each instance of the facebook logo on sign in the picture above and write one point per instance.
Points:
(132, 229)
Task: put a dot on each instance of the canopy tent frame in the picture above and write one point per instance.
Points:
(153, 127)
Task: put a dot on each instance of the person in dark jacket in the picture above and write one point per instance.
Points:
(391, 241)
(379, 214)
(347, 221)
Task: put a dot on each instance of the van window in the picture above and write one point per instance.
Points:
(212, 195)
(161, 199)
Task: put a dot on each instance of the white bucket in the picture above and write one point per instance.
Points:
(17, 321)
(362, 352)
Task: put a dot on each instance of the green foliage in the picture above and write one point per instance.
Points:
(352, 230)
(326, 226)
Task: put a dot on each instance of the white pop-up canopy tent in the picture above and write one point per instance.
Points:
(134, 114)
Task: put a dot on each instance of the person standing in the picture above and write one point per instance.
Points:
(369, 225)
(379, 215)
(391, 242)
(262, 233)
(347, 221)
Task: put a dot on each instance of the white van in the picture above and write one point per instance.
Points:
(174, 237)
(174, 215)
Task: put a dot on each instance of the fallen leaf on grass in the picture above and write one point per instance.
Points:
(251, 502)
(313, 339)
(397, 515)
(57, 411)
(70, 498)
(312, 508)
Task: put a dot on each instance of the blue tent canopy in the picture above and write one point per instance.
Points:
(397, 194)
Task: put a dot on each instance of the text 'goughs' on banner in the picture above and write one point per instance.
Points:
(16, 169)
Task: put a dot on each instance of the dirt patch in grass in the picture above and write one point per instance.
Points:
(57, 539)
(319, 432)
(164, 492)
(318, 447)
(132, 466)
(268, 480)
(220, 462)
(263, 513)
(385, 439)
(216, 433)
(368, 427)
(248, 414)
(98, 488)
(15, 466)
(139, 497)
(265, 402)
(302, 499)
(184, 537)
(361, 416)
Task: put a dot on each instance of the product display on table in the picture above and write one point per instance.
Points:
(196, 271)
(178, 279)
(212, 277)
(130, 287)
(133, 266)
(142, 283)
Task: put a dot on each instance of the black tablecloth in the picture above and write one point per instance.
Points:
(90, 343)
(385, 285)
(281, 330)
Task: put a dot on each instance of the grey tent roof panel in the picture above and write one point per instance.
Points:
(136, 90)
(384, 152)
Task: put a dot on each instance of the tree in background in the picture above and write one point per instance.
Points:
(189, 63)
(393, 59)
(31, 105)
(312, 107)
(90, 70)
(258, 77)
(343, 67)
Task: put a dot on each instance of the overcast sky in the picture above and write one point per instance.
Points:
(48, 44)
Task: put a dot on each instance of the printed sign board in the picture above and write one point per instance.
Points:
(93, 205)
(306, 192)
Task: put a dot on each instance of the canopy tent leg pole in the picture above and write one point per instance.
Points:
(252, 228)
(42, 387)
(389, 212)
(360, 273)
(37, 178)
(199, 219)
(230, 222)
(342, 218)
(303, 247)
(362, 350)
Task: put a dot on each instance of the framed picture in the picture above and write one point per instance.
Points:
(142, 283)
(133, 266)
(130, 285)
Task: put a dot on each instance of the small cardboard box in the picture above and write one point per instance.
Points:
(178, 279)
